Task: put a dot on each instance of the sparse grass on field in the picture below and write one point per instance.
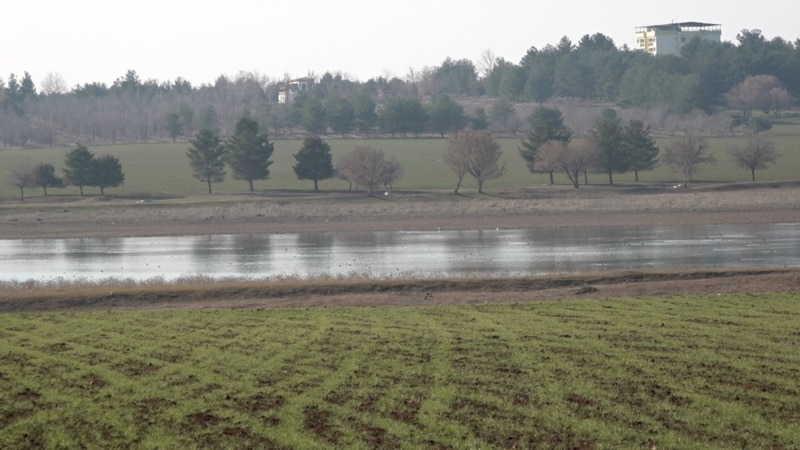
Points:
(693, 372)
(162, 169)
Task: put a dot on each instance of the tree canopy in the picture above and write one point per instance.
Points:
(248, 152)
(314, 161)
(206, 157)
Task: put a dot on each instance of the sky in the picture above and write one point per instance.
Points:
(100, 40)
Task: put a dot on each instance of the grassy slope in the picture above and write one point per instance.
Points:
(163, 168)
(694, 372)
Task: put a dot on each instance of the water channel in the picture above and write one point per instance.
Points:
(387, 254)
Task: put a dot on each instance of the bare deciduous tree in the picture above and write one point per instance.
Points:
(756, 153)
(366, 166)
(53, 84)
(686, 154)
(573, 157)
(23, 177)
(479, 154)
(759, 92)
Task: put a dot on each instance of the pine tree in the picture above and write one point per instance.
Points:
(78, 167)
(314, 161)
(248, 153)
(641, 147)
(206, 157)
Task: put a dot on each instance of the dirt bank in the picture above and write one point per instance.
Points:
(281, 212)
(404, 292)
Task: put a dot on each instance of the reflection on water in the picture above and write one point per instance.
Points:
(442, 253)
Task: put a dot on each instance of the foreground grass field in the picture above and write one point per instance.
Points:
(163, 168)
(694, 372)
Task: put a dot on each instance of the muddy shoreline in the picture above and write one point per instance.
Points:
(337, 212)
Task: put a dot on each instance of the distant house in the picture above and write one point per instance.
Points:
(288, 91)
(668, 39)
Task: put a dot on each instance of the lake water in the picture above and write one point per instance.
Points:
(382, 254)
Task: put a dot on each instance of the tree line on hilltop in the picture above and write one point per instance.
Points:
(755, 74)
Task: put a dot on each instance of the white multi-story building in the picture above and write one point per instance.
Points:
(288, 91)
(668, 39)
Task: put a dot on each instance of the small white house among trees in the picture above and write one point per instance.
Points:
(288, 91)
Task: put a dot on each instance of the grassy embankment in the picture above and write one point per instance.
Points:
(163, 168)
(695, 372)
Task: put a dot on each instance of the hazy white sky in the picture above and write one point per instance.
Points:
(99, 40)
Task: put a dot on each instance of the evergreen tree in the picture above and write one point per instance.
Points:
(479, 122)
(364, 111)
(248, 153)
(446, 115)
(614, 155)
(314, 161)
(78, 167)
(106, 172)
(641, 147)
(46, 177)
(173, 125)
(341, 115)
(313, 115)
(547, 125)
(206, 157)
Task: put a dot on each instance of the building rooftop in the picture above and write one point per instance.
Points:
(682, 26)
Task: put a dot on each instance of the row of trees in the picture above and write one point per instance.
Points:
(614, 147)
(247, 153)
(81, 168)
(754, 74)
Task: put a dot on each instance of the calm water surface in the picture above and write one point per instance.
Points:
(435, 253)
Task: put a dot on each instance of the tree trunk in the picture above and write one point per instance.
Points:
(585, 177)
(81, 189)
(22, 194)
(102, 194)
(208, 180)
(316, 186)
(753, 175)
(45, 190)
(636, 173)
(458, 185)
(551, 178)
(610, 178)
(250, 183)
(480, 186)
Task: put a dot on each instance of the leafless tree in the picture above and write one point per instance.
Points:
(366, 166)
(455, 159)
(53, 84)
(487, 62)
(22, 177)
(479, 154)
(759, 92)
(756, 153)
(686, 154)
(573, 157)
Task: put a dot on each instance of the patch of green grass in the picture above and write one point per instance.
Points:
(163, 168)
(680, 372)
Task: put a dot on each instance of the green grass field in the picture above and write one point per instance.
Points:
(164, 169)
(696, 372)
